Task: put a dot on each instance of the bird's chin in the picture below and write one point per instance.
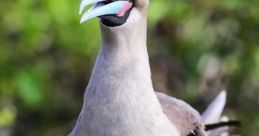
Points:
(114, 20)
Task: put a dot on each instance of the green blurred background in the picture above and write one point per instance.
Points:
(197, 48)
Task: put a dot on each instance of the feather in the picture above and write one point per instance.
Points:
(214, 111)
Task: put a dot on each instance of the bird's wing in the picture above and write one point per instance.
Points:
(187, 119)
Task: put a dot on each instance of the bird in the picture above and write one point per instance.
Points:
(120, 99)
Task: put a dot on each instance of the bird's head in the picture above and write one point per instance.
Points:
(112, 12)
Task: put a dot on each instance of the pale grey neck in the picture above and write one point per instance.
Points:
(131, 36)
(127, 41)
(123, 54)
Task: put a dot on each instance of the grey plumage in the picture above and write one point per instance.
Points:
(186, 119)
(119, 99)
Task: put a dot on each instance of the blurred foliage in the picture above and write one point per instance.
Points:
(46, 58)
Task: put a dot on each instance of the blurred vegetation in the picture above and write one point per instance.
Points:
(201, 47)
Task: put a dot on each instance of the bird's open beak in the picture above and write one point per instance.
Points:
(103, 7)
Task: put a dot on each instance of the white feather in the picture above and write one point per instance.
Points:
(214, 111)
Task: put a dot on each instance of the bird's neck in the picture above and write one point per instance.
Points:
(123, 56)
(127, 44)
(127, 39)
(120, 85)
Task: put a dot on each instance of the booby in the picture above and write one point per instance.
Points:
(119, 99)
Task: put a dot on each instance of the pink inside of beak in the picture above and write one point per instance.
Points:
(126, 7)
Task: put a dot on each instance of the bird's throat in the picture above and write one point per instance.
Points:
(125, 51)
